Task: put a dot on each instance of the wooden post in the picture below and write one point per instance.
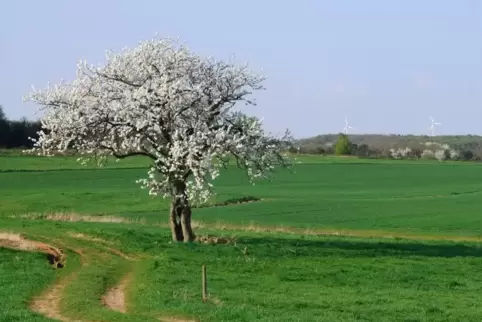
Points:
(204, 284)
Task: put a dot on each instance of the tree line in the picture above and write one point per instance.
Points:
(16, 133)
(463, 148)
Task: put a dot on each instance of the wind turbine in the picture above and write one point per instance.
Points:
(432, 127)
(347, 126)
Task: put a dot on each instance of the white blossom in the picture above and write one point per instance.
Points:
(400, 153)
(162, 101)
(454, 154)
(440, 145)
(440, 155)
(427, 154)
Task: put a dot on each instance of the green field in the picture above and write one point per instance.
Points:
(285, 264)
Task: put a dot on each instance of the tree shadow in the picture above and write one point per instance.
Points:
(337, 163)
(357, 247)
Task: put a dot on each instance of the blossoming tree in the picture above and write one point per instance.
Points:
(162, 101)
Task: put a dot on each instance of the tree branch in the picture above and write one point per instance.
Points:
(119, 79)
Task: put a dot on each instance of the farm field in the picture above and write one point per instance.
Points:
(313, 248)
(425, 197)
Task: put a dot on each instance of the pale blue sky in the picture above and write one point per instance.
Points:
(386, 64)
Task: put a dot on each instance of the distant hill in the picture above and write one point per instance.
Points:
(385, 142)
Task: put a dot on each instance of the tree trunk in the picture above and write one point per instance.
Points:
(174, 221)
(180, 214)
(186, 224)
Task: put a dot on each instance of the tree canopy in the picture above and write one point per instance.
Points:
(165, 102)
(343, 145)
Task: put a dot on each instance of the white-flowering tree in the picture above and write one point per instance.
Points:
(427, 154)
(454, 155)
(162, 101)
(440, 154)
(400, 153)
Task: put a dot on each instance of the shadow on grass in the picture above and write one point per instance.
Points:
(227, 202)
(357, 247)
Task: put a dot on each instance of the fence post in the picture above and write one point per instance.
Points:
(204, 284)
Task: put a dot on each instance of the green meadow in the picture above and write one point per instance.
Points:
(338, 239)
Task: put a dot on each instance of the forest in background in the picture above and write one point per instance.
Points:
(15, 134)
(459, 147)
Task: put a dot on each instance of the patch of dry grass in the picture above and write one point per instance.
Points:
(207, 239)
(89, 238)
(253, 227)
(104, 243)
(74, 217)
(16, 241)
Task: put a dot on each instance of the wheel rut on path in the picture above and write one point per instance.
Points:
(48, 303)
(115, 298)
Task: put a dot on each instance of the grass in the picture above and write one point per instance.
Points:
(429, 198)
(261, 276)
(265, 275)
(22, 276)
(27, 163)
(312, 280)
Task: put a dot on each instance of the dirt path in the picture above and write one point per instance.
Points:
(48, 303)
(15, 241)
(115, 298)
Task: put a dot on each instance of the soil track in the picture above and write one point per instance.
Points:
(48, 303)
(115, 298)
